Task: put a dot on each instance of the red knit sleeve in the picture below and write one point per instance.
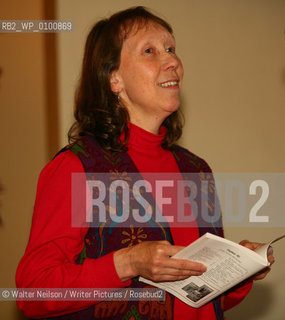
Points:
(235, 295)
(54, 245)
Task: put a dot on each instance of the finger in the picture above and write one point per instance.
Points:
(167, 277)
(244, 242)
(171, 274)
(257, 245)
(270, 251)
(183, 264)
(262, 274)
(251, 245)
(178, 272)
(271, 259)
(270, 256)
(170, 250)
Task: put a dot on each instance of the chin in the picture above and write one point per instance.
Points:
(173, 107)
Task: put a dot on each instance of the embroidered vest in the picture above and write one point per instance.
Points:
(103, 239)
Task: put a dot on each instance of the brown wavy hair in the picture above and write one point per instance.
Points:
(98, 111)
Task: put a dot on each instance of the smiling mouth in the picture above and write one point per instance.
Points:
(169, 84)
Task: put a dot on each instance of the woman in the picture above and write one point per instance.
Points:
(127, 117)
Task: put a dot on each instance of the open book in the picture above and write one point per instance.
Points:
(227, 262)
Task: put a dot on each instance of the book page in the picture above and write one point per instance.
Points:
(227, 263)
(263, 251)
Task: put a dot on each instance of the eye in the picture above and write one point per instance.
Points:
(170, 50)
(148, 50)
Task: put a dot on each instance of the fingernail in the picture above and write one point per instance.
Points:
(203, 268)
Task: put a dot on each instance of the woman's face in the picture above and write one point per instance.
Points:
(149, 78)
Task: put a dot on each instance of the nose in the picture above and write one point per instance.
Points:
(172, 62)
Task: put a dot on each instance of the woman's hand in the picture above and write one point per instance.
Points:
(254, 245)
(151, 259)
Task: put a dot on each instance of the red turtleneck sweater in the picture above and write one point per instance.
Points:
(49, 260)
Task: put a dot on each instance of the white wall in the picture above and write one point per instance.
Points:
(233, 98)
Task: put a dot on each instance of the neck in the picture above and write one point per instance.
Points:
(151, 125)
(148, 122)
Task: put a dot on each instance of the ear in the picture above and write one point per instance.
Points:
(116, 82)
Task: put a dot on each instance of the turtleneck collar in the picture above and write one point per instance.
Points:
(141, 140)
